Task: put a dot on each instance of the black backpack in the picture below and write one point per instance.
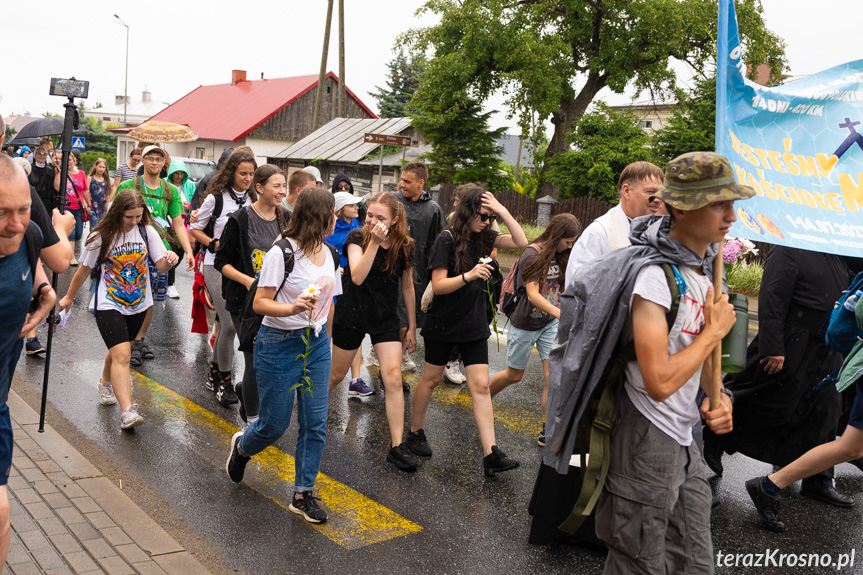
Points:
(250, 320)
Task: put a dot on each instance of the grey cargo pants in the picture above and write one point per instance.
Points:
(654, 511)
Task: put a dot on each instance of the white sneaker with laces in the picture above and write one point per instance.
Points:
(106, 393)
(173, 293)
(130, 417)
(407, 363)
(372, 358)
(453, 373)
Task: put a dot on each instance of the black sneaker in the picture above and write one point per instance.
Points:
(238, 391)
(497, 461)
(212, 382)
(307, 506)
(417, 443)
(767, 505)
(225, 392)
(236, 464)
(401, 457)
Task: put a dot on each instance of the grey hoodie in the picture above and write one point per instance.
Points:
(593, 311)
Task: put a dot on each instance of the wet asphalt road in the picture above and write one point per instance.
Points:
(446, 518)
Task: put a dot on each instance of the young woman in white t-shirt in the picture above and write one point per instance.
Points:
(118, 253)
(290, 313)
(233, 185)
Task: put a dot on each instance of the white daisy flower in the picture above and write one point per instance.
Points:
(485, 260)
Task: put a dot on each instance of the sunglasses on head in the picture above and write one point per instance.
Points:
(486, 217)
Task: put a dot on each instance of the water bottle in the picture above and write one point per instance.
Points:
(734, 343)
(851, 301)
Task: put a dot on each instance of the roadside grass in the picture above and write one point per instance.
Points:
(746, 280)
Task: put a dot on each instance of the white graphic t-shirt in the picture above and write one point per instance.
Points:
(304, 273)
(677, 414)
(124, 284)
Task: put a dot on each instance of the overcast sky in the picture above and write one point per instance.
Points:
(178, 45)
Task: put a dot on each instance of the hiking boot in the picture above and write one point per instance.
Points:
(172, 292)
(106, 393)
(212, 382)
(130, 417)
(372, 358)
(307, 506)
(359, 387)
(225, 392)
(135, 359)
(767, 505)
(497, 461)
(417, 443)
(236, 464)
(401, 457)
(33, 346)
(453, 373)
(146, 352)
(238, 391)
(407, 363)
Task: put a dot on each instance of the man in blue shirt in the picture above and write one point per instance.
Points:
(16, 291)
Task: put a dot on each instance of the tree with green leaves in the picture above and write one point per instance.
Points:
(551, 58)
(604, 142)
(692, 124)
(403, 79)
(464, 148)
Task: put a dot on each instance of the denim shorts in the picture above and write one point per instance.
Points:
(520, 342)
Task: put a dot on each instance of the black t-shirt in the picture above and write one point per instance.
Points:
(460, 315)
(39, 215)
(527, 316)
(371, 306)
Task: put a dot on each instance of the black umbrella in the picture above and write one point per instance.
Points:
(38, 128)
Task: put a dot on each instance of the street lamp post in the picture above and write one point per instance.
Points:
(126, 85)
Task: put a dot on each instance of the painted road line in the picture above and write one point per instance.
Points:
(355, 520)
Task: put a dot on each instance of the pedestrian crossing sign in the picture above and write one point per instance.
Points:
(78, 143)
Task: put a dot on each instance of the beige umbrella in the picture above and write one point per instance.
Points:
(157, 132)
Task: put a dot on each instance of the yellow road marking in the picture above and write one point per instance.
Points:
(354, 519)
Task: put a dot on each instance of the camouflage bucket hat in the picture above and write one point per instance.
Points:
(695, 179)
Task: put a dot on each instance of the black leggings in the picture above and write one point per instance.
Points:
(251, 403)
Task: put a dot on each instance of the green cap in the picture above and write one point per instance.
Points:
(695, 179)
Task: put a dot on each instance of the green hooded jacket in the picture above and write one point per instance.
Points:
(187, 187)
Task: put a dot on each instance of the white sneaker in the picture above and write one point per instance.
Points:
(106, 393)
(173, 293)
(372, 358)
(453, 373)
(130, 417)
(407, 363)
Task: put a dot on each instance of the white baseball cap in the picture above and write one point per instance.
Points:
(345, 199)
(315, 172)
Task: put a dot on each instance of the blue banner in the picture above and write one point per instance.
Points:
(799, 145)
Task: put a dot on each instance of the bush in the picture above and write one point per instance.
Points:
(89, 158)
(530, 230)
(746, 280)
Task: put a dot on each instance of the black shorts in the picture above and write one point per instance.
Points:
(347, 338)
(5, 444)
(472, 352)
(117, 328)
(855, 418)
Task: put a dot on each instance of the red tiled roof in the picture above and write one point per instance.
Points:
(231, 111)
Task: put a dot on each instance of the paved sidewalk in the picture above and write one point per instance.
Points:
(69, 518)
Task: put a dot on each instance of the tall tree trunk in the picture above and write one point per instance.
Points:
(319, 94)
(571, 110)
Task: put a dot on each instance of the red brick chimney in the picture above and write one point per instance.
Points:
(238, 76)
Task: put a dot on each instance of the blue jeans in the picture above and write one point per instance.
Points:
(78, 232)
(277, 370)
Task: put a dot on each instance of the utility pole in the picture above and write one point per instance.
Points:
(319, 95)
(343, 112)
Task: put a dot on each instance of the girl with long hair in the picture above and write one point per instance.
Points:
(99, 184)
(248, 236)
(458, 315)
(380, 258)
(230, 190)
(77, 197)
(541, 270)
(298, 315)
(116, 253)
